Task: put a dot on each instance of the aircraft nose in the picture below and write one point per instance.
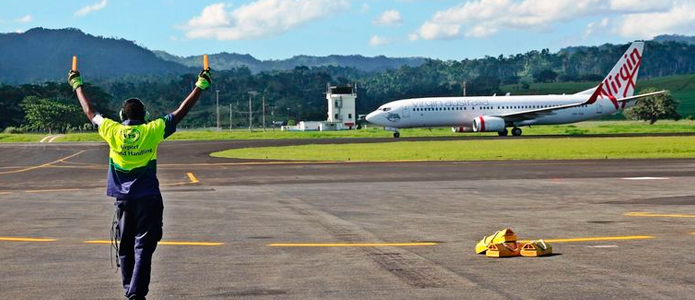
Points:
(371, 117)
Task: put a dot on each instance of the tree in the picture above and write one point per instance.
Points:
(545, 76)
(653, 108)
(51, 115)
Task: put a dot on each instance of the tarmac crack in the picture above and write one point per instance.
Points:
(410, 268)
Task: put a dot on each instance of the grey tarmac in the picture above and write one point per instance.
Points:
(624, 228)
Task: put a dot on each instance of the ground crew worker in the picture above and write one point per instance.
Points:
(132, 177)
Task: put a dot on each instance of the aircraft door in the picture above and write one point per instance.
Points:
(599, 108)
(406, 111)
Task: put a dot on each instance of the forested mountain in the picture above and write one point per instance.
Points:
(675, 38)
(45, 54)
(227, 61)
(40, 54)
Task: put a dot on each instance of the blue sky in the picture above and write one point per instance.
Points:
(278, 29)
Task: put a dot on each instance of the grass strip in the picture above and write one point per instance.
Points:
(20, 137)
(498, 149)
(583, 128)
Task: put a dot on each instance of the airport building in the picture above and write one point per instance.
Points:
(341, 111)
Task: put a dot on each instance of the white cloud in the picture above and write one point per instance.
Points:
(91, 8)
(25, 19)
(436, 31)
(379, 41)
(678, 20)
(481, 18)
(640, 5)
(480, 31)
(259, 19)
(594, 27)
(364, 8)
(390, 18)
(212, 16)
(413, 37)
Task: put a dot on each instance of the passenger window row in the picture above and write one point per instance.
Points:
(489, 107)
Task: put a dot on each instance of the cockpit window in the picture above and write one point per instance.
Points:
(386, 109)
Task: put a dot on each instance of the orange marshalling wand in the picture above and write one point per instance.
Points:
(205, 62)
(74, 62)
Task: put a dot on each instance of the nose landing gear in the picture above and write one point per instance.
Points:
(396, 134)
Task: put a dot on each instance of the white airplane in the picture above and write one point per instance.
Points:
(496, 113)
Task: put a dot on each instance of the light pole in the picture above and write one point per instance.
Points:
(288, 116)
(264, 112)
(251, 93)
(272, 116)
(218, 109)
(230, 116)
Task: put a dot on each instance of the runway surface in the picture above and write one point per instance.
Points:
(237, 229)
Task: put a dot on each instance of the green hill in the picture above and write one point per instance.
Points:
(41, 54)
(227, 61)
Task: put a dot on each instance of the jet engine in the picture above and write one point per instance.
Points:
(488, 124)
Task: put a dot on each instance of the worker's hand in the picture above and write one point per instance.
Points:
(74, 79)
(204, 79)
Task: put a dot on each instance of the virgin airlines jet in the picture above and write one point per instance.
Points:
(496, 113)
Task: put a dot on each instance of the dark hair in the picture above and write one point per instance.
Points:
(134, 109)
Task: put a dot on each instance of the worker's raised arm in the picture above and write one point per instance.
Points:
(203, 83)
(75, 81)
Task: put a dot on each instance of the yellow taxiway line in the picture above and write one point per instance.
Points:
(170, 243)
(43, 165)
(351, 244)
(51, 190)
(643, 214)
(192, 178)
(24, 239)
(597, 239)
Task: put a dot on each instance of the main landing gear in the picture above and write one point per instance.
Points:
(516, 131)
(396, 135)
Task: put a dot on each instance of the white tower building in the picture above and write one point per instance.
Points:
(341, 105)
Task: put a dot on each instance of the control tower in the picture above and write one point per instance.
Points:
(341, 105)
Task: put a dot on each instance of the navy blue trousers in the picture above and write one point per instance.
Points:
(140, 228)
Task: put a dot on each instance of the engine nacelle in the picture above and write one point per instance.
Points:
(488, 124)
(461, 129)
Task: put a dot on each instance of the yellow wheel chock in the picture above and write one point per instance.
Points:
(503, 250)
(536, 248)
(503, 236)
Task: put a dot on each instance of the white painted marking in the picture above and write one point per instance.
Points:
(54, 137)
(646, 178)
(43, 140)
(604, 246)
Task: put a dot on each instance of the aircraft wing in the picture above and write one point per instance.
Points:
(539, 112)
(535, 113)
